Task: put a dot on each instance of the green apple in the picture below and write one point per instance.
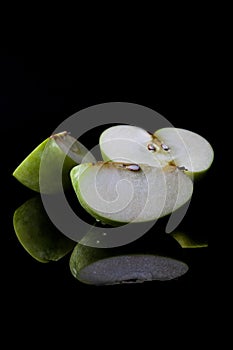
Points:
(118, 193)
(51, 161)
(186, 240)
(37, 234)
(128, 264)
(127, 143)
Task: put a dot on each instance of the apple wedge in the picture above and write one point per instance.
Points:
(186, 149)
(118, 193)
(37, 234)
(50, 162)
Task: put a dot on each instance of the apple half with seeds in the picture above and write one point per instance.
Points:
(127, 143)
(118, 193)
(50, 162)
(37, 234)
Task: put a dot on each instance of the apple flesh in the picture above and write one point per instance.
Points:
(37, 234)
(118, 193)
(186, 149)
(127, 143)
(46, 169)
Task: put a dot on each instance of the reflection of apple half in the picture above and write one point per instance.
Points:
(187, 240)
(132, 144)
(119, 193)
(100, 266)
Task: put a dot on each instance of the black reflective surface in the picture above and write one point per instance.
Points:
(38, 91)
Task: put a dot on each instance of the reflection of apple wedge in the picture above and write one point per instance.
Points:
(118, 193)
(188, 241)
(129, 264)
(186, 149)
(50, 162)
(37, 234)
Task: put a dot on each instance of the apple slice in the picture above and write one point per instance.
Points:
(137, 262)
(128, 143)
(118, 193)
(37, 234)
(51, 161)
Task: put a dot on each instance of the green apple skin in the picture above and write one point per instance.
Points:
(83, 256)
(46, 179)
(37, 234)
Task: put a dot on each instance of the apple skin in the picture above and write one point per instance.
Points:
(45, 179)
(46, 169)
(36, 233)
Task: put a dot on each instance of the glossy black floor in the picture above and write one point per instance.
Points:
(38, 91)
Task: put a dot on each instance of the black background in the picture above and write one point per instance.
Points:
(40, 86)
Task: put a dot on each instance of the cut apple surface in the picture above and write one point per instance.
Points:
(188, 149)
(118, 193)
(128, 143)
(46, 169)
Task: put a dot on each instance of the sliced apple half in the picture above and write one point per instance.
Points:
(119, 193)
(50, 162)
(128, 143)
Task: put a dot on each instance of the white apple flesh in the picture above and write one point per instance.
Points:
(118, 193)
(128, 143)
(187, 149)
